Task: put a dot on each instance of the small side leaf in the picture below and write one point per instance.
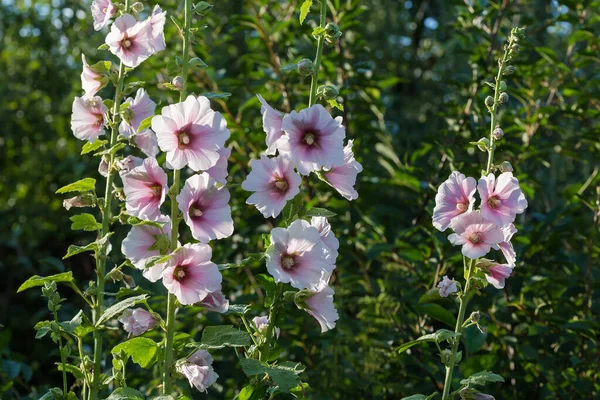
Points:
(482, 378)
(217, 337)
(118, 308)
(83, 185)
(143, 351)
(41, 280)
(85, 222)
(304, 10)
(320, 212)
(89, 147)
(125, 393)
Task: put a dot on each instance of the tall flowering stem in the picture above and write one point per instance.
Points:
(315, 77)
(172, 301)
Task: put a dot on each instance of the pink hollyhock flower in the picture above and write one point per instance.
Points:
(343, 177)
(146, 142)
(476, 235)
(454, 197)
(102, 12)
(145, 189)
(191, 133)
(496, 274)
(501, 199)
(321, 307)
(205, 209)
(157, 26)
(506, 246)
(219, 172)
(216, 302)
(260, 323)
(137, 321)
(144, 242)
(190, 275)
(130, 40)
(272, 121)
(198, 370)
(91, 82)
(128, 163)
(327, 235)
(140, 108)
(298, 256)
(314, 139)
(88, 118)
(447, 287)
(274, 182)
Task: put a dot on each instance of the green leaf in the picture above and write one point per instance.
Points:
(89, 147)
(125, 393)
(85, 222)
(142, 351)
(216, 95)
(320, 212)
(42, 328)
(438, 337)
(69, 326)
(251, 258)
(238, 309)
(119, 307)
(131, 220)
(202, 8)
(474, 338)
(284, 375)
(438, 312)
(94, 246)
(197, 63)
(217, 337)
(101, 67)
(36, 280)
(304, 10)
(269, 284)
(482, 378)
(145, 124)
(103, 46)
(71, 369)
(335, 104)
(415, 397)
(118, 146)
(83, 185)
(253, 392)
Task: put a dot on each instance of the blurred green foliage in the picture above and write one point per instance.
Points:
(412, 76)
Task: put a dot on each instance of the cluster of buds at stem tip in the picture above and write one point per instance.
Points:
(327, 92)
(332, 32)
(54, 300)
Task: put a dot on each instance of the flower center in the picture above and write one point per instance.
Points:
(287, 262)
(494, 202)
(476, 238)
(104, 10)
(179, 273)
(281, 185)
(156, 190)
(126, 43)
(461, 207)
(310, 138)
(195, 211)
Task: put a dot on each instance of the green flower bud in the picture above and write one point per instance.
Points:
(503, 98)
(332, 32)
(328, 92)
(177, 82)
(489, 101)
(509, 70)
(137, 7)
(502, 86)
(498, 133)
(306, 67)
(506, 167)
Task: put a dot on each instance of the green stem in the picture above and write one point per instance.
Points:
(493, 111)
(458, 329)
(315, 77)
(82, 367)
(62, 359)
(273, 313)
(171, 302)
(106, 216)
(250, 332)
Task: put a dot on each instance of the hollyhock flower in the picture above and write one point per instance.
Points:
(102, 12)
(198, 370)
(126, 164)
(191, 133)
(454, 197)
(298, 256)
(146, 142)
(216, 302)
(506, 246)
(146, 241)
(88, 118)
(314, 139)
(137, 321)
(274, 182)
(343, 177)
(501, 198)
(321, 307)
(91, 82)
(205, 209)
(327, 235)
(190, 275)
(157, 26)
(261, 325)
(476, 235)
(272, 121)
(219, 172)
(145, 188)
(496, 274)
(447, 287)
(130, 40)
(140, 108)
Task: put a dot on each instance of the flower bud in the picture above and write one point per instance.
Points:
(84, 200)
(475, 316)
(467, 393)
(328, 92)
(332, 32)
(137, 321)
(506, 167)
(137, 7)
(177, 82)
(103, 167)
(509, 70)
(502, 86)
(503, 98)
(446, 356)
(306, 67)
(489, 101)
(498, 133)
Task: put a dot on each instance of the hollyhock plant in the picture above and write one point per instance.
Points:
(102, 12)
(157, 26)
(145, 189)
(506, 246)
(274, 182)
(454, 197)
(343, 177)
(216, 302)
(314, 139)
(219, 171)
(447, 287)
(137, 321)
(130, 40)
(146, 142)
(327, 235)
(140, 108)
(191, 133)
(91, 82)
(476, 235)
(501, 198)
(146, 241)
(321, 307)
(190, 275)
(205, 208)
(198, 370)
(272, 125)
(298, 256)
(496, 274)
(88, 118)
(261, 325)
(126, 164)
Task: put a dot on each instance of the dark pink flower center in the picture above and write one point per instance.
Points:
(288, 261)
(126, 42)
(195, 211)
(311, 138)
(184, 138)
(476, 238)
(494, 202)
(156, 190)
(280, 185)
(179, 273)
(462, 207)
